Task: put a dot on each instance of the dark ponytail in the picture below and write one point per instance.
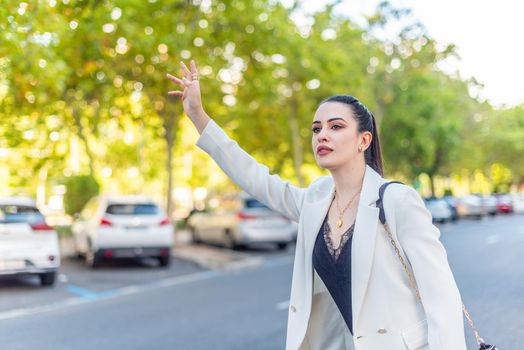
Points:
(366, 122)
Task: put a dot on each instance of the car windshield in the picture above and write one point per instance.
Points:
(132, 209)
(253, 203)
(20, 213)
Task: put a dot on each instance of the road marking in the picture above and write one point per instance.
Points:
(492, 239)
(84, 295)
(82, 292)
(40, 309)
(62, 278)
(87, 296)
(283, 305)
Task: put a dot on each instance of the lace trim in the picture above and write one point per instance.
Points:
(335, 252)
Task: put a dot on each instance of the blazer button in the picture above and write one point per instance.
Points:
(292, 308)
(382, 331)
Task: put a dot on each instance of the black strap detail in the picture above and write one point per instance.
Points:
(382, 214)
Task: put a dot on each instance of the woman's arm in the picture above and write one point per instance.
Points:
(439, 294)
(244, 170)
(252, 177)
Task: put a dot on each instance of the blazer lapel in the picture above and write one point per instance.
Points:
(363, 246)
(315, 214)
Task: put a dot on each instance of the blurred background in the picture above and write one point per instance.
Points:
(84, 112)
(84, 107)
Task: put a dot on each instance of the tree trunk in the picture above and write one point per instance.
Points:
(432, 183)
(298, 157)
(169, 126)
(83, 137)
(437, 163)
(170, 121)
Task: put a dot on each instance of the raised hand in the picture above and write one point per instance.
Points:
(190, 94)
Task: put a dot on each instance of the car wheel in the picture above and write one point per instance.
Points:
(229, 240)
(92, 260)
(78, 254)
(194, 236)
(48, 278)
(282, 245)
(165, 261)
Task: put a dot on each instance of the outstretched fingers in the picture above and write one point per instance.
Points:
(187, 72)
(185, 80)
(176, 93)
(174, 79)
(194, 70)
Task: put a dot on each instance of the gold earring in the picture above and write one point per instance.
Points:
(360, 149)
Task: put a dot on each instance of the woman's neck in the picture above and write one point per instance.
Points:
(348, 179)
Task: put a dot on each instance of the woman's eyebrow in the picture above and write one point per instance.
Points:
(329, 120)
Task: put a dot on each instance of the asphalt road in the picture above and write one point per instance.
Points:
(188, 307)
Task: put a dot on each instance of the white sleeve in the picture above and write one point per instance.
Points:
(252, 177)
(439, 293)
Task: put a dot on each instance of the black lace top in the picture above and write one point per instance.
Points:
(333, 265)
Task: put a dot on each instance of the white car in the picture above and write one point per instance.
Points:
(28, 246)
(518, 203)
(122, 227)
(439, 209)
(242, 221)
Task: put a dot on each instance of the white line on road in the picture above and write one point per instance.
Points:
(492, 239)
(283, 305)
(114, 293)
(132, 289)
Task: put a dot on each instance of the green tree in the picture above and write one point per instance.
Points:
(80, 189)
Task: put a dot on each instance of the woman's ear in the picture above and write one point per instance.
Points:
(365, 140)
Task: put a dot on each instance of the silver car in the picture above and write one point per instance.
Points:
(242, 221)
(518, 203)
(439, 209)
(490, 204)
(471, 206)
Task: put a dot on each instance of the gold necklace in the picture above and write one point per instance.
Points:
(340, 222)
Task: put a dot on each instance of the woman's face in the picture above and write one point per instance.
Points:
(336, 139)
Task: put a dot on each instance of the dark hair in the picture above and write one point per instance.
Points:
(366, 122)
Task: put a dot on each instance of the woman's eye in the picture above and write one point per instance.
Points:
(336, 126)
(315, 130)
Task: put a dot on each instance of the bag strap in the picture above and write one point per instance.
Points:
(412, 282)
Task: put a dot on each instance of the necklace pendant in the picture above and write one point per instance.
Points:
(339, 222)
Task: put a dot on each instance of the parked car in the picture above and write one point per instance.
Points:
(28, 246)
(112, 227)
(504, 204)
(490, 204)
(518, 203)
(240, 222)
(452, 203)
(439, 209)
(470, 206)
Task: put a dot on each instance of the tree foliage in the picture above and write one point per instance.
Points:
(83, 90)
(80, 189)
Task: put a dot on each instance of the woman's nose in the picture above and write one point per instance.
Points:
(321, 135)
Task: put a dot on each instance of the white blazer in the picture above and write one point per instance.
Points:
(386, 313)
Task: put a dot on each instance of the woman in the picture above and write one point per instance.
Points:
(348, 288)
